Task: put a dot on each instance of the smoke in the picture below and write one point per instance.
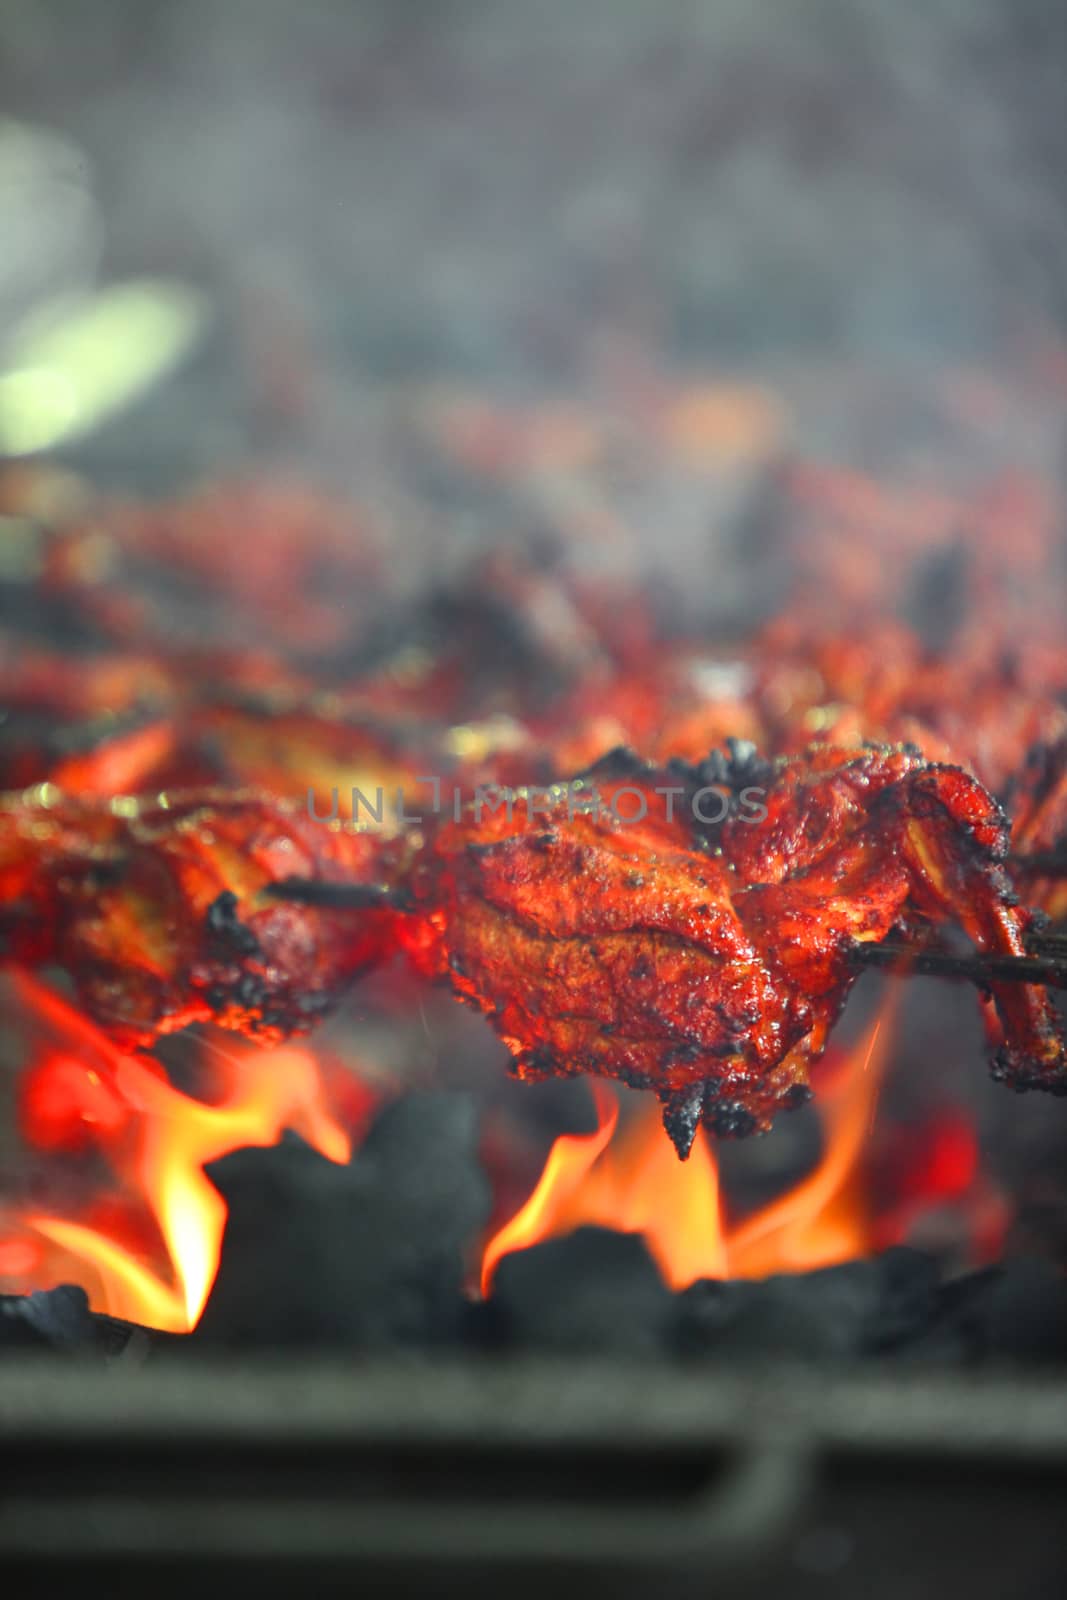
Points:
(441, 181)
(542, 192)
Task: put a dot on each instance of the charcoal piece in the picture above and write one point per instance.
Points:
(1013, 1313)
(592, 1291)
(821, 1315)
(951, 1336)
(1025, 1313)
(370, 1255)
(702, 1313)
(838, 1313)
(910, 1283)
(55, 1319)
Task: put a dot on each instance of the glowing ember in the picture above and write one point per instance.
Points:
(159, 1140)
(935, 1170)
(631, 1180)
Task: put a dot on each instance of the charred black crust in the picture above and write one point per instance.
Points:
(621, 762)
(262, 1010)
(225, 930)
(1023, 1075)
(682, 1110)
(739, 766)
(246, 993)
(688, 1050)
(732, 772)
(632, 1078)
(730, 1119)
(541, 1063)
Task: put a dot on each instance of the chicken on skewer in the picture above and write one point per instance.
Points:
(155, 909)
(690, 930)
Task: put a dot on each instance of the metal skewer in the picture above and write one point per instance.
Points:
(1046, 964)
(1049, 969)
(333, 896)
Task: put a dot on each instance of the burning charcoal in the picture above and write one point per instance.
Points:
(855, 1309)
(702, 1313)
(909, 1288)
(368, 1255)
(57, 1319)
(282, 1276)
(593, 1290)
(811, 1315)
(1017, 1312)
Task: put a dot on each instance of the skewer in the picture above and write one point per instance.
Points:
(332, 896)
(1046, 964)
(1047, 967)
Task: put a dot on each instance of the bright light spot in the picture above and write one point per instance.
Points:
(84, 358)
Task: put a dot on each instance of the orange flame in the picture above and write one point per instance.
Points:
(632, 1181)
(83, 1089)
(170, 1138)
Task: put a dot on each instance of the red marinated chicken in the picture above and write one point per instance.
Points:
(691, 930)
(708, 961)
(155, 909)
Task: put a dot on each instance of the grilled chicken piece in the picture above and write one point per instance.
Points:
(709, 961)
(155, 909)
(691, 930)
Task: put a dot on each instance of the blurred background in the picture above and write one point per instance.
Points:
(518, 192)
